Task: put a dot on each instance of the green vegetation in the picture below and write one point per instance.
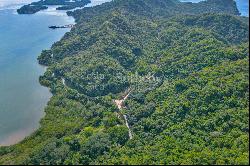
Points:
(28, 9)
(35, 7)
(186, 66)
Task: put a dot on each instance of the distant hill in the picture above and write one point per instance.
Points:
(35, 7)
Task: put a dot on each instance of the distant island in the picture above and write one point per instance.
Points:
(35, 7)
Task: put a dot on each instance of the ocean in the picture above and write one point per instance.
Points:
(22, 98)
(22, 38)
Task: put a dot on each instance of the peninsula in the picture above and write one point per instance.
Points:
(192, 108)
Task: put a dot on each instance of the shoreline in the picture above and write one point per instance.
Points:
(17, 136)
(48, 11)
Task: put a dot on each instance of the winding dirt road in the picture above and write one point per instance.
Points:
(121, 104)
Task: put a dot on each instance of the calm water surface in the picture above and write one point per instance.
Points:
(22, 38)
(22, 98)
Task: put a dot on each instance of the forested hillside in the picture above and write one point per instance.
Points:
(184, 69)
(35, 7)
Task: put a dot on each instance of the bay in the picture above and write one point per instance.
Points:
(22, 38)
(22, 98)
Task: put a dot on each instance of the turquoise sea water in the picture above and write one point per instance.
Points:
(22, 38)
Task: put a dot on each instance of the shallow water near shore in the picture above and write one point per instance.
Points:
(22, 98)
(22, 38)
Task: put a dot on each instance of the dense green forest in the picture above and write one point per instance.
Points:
(35, 7)
(184, 69)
